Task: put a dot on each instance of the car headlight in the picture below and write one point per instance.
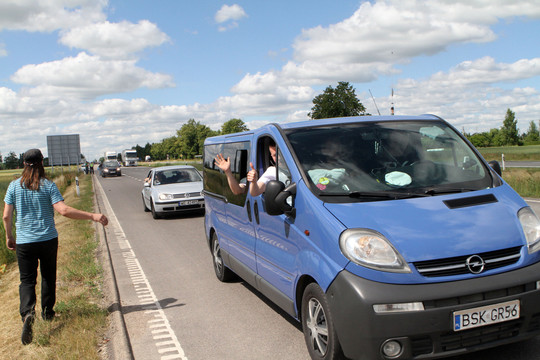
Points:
(118, 169)
(370, 249)
(105, 170)
(166, 197)
(531, 228)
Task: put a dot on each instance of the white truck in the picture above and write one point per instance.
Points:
(110, 155)
(129, 157)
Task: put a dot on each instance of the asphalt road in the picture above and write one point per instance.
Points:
(172, 305)
(524, 164)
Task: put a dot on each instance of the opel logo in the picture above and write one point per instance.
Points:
(475, 264)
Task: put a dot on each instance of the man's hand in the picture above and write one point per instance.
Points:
(252, 174)
(100, 218)
(223, 164)
(10, 243)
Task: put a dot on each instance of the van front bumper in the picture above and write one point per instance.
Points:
(428, 333)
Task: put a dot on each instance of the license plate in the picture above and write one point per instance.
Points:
(188, 202)
(486, 315)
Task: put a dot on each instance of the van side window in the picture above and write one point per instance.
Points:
(215, 180)
(265, 160)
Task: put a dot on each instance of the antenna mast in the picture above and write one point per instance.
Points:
(376, 107)
(392, 106)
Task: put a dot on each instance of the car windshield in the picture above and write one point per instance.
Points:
(175, 176)
(394, 159)
(111, 164)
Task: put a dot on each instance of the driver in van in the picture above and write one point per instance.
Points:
(258, 185)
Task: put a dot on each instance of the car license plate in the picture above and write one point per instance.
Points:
(188, 202)
(485, 315)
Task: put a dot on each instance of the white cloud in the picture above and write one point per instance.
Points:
(388, 32)
(228, 13)
(49, 15)
(228, 16)
(470, 96)
(381, 35)
(114, 40)
(86, 77)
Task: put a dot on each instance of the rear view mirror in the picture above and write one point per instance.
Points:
(495, 166)
(278, 199)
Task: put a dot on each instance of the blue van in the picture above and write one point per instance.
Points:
(387, 237)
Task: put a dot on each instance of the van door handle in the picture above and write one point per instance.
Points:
(256, 211)
(248, 208)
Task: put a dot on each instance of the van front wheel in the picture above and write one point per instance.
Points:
(321, 337)
(223, 273)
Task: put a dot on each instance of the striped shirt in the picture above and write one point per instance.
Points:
(34, 212)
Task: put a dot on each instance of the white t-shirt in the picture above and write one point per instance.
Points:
(270, 174)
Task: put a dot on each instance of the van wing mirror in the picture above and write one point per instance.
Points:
(276, 198)
(495, 166)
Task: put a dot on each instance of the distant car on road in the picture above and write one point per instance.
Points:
(111, 168)
(170, 189)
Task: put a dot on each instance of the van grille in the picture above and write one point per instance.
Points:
(459, 265)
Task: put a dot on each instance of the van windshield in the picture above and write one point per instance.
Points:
(387, 159)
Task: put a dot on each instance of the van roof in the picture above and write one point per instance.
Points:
(355, 119)
(319, 122)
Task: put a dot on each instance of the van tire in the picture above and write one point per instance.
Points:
(223, 273)
(316, 316)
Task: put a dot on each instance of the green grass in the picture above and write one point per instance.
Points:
(512, 153)
(525, 181)
(6, 176)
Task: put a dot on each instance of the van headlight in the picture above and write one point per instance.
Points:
(370, 249)
(166, 196)
(531, 228)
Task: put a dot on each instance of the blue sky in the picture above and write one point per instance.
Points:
(121, 73)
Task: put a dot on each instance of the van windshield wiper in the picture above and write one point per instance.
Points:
(440, 191)
(378, 194)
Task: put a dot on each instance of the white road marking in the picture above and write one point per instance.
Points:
(167, 343)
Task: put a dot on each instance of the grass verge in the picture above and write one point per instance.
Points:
(525, 181)
(512, 153)
(77, 331)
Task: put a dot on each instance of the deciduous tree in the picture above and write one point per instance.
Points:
(509, 129)
(233, 126)
(338, 102)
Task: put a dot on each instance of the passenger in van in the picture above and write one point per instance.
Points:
(258, 185)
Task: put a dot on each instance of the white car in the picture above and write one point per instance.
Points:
(169, 189)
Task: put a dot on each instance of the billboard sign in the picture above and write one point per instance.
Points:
(64, 149)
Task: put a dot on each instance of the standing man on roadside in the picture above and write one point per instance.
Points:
(33, 199)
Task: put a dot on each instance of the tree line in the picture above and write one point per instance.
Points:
(340, 101)
(507, 135)
(188, 141)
